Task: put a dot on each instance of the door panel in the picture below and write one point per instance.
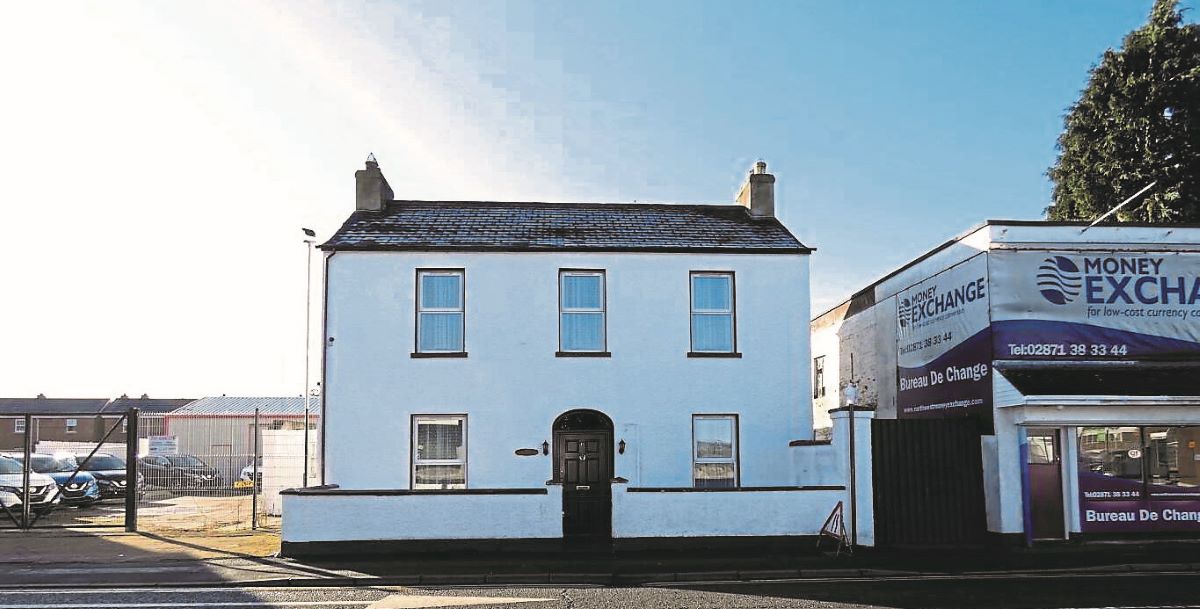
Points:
(1045, 483)
(585, 470)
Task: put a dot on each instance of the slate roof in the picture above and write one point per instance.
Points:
(152, 405)
(584, 227)
(233, 405)
(51, 406)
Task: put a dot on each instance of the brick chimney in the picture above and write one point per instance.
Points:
(758, 193)
(372, 192)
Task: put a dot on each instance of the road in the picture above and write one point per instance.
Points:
(1140, 591)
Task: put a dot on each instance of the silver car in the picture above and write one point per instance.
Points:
(43, 492)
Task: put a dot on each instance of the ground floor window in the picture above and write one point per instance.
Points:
(714, 451)
(1139, 478)
(439, 451)
(1140, 462)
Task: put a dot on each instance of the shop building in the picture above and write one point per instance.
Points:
(546, 374)
(1076, 353)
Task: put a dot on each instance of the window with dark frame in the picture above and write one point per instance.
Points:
(582, 304)
(440, 311)
(712, 312)
(714, 451)
(439, 452)
(819, 376)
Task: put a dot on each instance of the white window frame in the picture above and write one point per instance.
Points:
(734, 454)
(72, 425)
(731, 312)
(603, 310)
(420, 418)
(461, 309)
(19, 425)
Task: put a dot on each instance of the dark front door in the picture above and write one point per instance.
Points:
(585, 470)
(1045, 483)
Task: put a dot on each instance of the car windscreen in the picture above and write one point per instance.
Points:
(185, 461)
(43, 464)
(102, 462)
(10, 466)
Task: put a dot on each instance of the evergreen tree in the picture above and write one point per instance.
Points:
(1138, 121)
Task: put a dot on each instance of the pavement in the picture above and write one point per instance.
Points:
(51, 558)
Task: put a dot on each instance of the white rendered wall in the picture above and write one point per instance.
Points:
(343, 518)
(747, 513)
(511, 387)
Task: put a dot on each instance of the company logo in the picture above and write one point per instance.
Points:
(1059, 280)
(1115, 280)
(933, 302)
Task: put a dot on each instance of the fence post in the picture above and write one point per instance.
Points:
(131, 485)
(27, 464)
(254, 478)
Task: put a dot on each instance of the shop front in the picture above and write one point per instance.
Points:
(1138, 478)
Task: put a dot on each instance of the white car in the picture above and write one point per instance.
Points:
(247, 473)
(43, 491)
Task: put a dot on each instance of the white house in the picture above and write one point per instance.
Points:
(1074, 351)
(566, 373)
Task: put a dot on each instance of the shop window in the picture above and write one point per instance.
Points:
(1139, 462)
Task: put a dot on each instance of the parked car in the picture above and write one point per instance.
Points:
(177, 471)
(43, 492)
(78, 489)
(248, 473)
(109, 471)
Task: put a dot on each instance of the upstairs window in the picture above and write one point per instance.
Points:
(72, 425)
(714, 451)
(581, 305)
(439, 452)
(19, 425)
(712, 313)
(440, 316)
(819, 376)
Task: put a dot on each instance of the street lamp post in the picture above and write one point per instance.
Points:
(308, 247)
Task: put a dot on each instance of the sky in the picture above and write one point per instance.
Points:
(158, 159)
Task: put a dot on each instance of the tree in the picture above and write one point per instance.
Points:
(1138, 121)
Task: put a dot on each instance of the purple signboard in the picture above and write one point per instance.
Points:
(1109, 504)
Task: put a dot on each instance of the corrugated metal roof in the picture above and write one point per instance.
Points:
(505, 226)
(233, 405)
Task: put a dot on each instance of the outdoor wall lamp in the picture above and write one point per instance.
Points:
(545, 448)
(621, 447)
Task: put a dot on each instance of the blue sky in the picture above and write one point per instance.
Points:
(161, 157)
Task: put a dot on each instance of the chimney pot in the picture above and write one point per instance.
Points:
(758, 193)
(372, 192)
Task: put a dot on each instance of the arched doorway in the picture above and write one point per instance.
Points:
(583, 465)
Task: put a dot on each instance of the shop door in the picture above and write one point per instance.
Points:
(585, 465)
(1045, 482)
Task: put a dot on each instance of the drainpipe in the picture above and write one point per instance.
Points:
(851, 394)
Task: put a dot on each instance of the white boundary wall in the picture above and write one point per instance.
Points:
(422, 516)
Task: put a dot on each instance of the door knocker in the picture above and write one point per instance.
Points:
(583, 457)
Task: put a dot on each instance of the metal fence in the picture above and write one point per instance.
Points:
(203, 474)
(217, 473)
(67, 470)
